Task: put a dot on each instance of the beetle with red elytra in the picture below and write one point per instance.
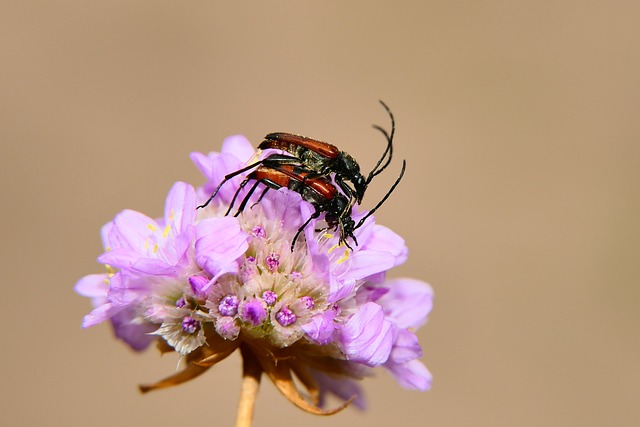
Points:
(306, 166)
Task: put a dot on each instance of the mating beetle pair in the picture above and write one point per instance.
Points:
(306, 168)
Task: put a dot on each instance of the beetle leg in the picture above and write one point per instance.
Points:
(247, 197)
(235, 196)
(316, 214)
(343, 240)
(273, 161)
(260, 198)
(276, 160)
(227, 178)
(347, 190)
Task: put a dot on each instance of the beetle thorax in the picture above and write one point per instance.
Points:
(347, 167)
(313, 160)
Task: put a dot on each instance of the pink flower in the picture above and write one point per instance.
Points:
(207, 284)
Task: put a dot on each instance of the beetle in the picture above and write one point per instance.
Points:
(320, 192)
(319, 159)
(323, 159)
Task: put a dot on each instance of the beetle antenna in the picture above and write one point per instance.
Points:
(389, 150)
(386, 196)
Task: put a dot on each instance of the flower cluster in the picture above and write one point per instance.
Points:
(207, 283)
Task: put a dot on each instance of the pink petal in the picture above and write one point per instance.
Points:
(408, 301)
(411, 375)
(340, 288)
(405, 347)
(343, 388)
(180, 207)
(321, 327)
(155, 266)
(385, 240)
(93, 286)
(119, 258)
(104, 233)
(219, 242)
(98, 315)
(366, 263)
(131, 230)
(368, 337)
(204, 163)
(127, 328)
(239, 146)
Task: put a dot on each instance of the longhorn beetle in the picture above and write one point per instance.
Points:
(323, 159)
(307, 168)
(320, 192)
(320, 159)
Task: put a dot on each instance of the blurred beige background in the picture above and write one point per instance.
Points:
(521, 203)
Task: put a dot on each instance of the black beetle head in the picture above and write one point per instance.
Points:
(360, 185)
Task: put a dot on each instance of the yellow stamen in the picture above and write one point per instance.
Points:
(110, 273)
(165, 233)
(255, 158)
(151, 227)
(334, 247)
(327, 235)
(155, 248)
(344, 257)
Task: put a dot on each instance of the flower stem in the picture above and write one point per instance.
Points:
(251, 373)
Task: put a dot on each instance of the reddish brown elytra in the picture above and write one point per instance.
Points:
(324, 159)
(292, 143)
(320, 192)
(322, 186)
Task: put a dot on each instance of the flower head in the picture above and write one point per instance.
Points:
(207, 284)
